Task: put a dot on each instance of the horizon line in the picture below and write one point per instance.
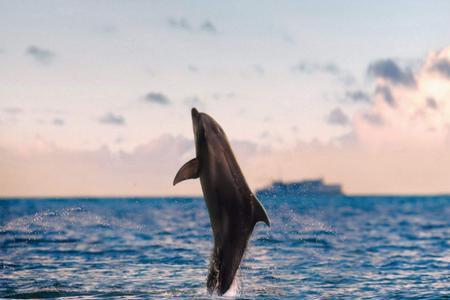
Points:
(119, 197)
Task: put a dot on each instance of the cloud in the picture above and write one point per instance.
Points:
(184, 24)
(386, 94)
(12, 110)
(209, 27)
(347, 139)
(222, 96)
(109, 29)
(58, 122)
(119, 140)
(431, 103)
(373, 118)
(337, 117)
(194, 101)
(41, 55)
(442, 66)
(179, 23)
(148, 169)
(264, 135)
(259, 69)
(112, 119)
(327, 68)
(287, 38)
(409, 109)
(158, 98)
(388, 69)
(358, 96)
(192, 68)
(309, 68)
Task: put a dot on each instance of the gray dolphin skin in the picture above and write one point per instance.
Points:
(233, 209)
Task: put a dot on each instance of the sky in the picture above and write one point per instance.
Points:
(95, 96)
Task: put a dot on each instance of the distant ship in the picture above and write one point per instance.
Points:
(315, 187)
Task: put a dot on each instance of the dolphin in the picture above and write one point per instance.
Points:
(233, 208)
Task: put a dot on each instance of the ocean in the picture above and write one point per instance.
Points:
(141, 248)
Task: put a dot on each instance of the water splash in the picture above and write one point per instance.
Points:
(233, 291)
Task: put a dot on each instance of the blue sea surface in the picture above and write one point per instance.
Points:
(138, 248)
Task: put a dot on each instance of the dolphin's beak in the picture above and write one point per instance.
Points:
(195, 114)
(195, 121)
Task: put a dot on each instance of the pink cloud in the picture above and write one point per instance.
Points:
(413, 116)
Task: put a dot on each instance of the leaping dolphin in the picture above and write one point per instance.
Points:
(233, 208)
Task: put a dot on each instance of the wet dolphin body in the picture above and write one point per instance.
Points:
(233, 209)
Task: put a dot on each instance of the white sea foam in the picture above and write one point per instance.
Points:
(234, 288)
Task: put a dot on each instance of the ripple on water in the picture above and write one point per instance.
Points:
(371, 247)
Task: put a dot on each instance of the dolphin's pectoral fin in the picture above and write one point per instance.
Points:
(189, 170)
(259, 213)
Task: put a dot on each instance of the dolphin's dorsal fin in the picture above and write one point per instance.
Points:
(260, 213)
(189, 170)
